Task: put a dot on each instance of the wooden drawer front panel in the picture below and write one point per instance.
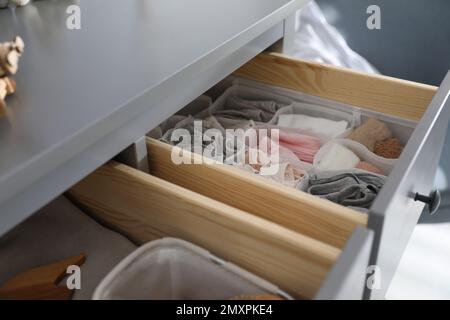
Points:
(298, 211)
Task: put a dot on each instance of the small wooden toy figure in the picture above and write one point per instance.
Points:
(18, 3)
(7, 87)
(10, 53)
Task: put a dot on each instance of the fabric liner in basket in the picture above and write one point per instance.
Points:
(173, 269)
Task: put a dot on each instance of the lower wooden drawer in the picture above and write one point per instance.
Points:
(145, 207)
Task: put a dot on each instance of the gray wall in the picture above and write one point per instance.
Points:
(414, 40)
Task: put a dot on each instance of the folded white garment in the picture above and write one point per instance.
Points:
(173, 269)
(321, 126)
(334, 156)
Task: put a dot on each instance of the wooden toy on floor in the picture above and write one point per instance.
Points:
(41, 283)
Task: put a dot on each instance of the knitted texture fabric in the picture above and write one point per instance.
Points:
(348, 189)
(389, 148)
(370, 132)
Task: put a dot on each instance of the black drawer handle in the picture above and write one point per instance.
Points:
(433, 200)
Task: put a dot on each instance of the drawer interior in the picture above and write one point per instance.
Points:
(396, 103)
(145, 207)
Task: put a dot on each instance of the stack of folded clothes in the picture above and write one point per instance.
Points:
(305, 147)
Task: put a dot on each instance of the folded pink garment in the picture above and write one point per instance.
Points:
(285, 155)
(284, 173)
(303, 146)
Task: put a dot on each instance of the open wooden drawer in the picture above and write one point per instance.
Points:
(308, 246)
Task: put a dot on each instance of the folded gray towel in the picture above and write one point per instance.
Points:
(349, 189)
(238, 103)
(247, 114)
(256, 110)
(188, 124)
